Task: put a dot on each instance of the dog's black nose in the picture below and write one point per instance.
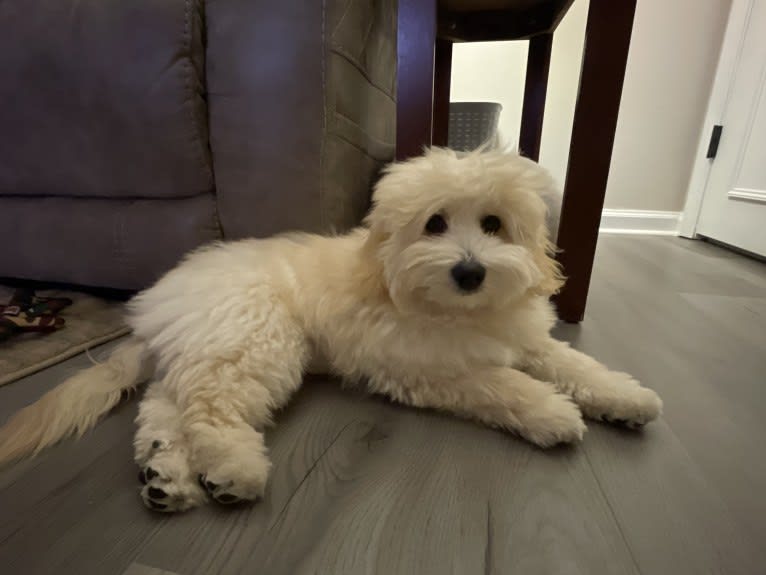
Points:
(468, 275)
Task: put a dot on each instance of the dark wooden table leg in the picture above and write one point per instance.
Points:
(442, 81)
(535, 90)
(607, 39)
(416, 37)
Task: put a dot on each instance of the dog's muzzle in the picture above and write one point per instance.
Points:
(468, 275)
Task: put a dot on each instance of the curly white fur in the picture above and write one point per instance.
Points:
(234, 327)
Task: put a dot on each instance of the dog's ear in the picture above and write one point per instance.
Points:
(378, 233)
(370, 279)
(544, 256)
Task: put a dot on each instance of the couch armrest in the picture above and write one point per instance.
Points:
(302, 110)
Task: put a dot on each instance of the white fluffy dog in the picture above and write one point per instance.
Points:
(441, 302)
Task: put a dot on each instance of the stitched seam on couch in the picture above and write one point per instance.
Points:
(188, 69)
(367, 153)
(337, 49)
(323, 140)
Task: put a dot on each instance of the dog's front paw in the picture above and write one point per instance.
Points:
(555, 420)
(633, 406)
(240, 476)
(169, 484)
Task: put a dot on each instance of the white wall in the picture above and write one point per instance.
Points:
(673, 53)
(491, 71)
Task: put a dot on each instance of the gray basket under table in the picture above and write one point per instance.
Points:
(472, 124)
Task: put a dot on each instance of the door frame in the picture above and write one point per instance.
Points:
(731, 53)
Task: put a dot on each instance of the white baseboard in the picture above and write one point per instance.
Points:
(640, 222)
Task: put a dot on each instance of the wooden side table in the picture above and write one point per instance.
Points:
(427, 30)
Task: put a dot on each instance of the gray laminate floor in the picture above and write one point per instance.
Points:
(363, 486)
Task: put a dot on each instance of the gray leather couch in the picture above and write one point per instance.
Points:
(132, 131)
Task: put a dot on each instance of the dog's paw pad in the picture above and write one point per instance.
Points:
(149, 474)
(156, 493)
(616, 420)
(158, 506)
(169, 485)
(208, 486)
(218, 492)
(621, 422)
(227, 498)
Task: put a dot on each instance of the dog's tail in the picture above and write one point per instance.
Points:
(76, 405)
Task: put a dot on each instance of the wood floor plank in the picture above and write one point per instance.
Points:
(673, 519)
(138, 569)
(714, 400)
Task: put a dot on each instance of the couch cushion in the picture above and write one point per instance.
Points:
(102, 98)
(125, 244)
(264, 74)
(302, 113)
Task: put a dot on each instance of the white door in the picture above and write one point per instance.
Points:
(733, 207)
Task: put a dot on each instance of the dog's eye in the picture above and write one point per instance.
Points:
(491, 224)
(436, 225)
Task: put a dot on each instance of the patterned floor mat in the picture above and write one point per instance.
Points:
(90, 321)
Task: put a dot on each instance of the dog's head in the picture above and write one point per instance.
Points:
(457, 233)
